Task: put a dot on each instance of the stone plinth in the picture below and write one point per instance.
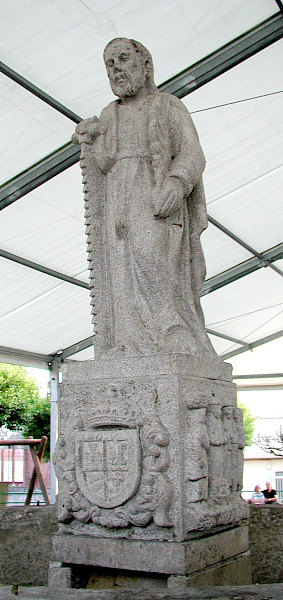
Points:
(202, 561)
(148, 462)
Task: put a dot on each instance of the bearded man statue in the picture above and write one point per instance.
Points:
(145, 211)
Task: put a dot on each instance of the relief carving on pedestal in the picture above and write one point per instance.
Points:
(196, 449)
(241, 445)
(119, 476)
(218, 484)
(231, 447)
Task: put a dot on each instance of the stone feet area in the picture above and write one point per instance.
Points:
(247, 592)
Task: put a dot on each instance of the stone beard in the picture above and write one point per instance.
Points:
(143, 161)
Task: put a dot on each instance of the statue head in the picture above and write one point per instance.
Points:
(129, 67)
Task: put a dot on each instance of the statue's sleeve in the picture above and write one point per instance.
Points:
(188, 161)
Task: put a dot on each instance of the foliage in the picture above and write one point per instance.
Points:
(21, 407)
(273, 444)
(248, 422)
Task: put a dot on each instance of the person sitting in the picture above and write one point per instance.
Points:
(257, 496)
(269, 494)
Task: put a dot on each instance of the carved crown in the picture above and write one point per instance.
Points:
(109, 412)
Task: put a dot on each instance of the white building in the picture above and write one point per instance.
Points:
(259, 467)
(264, 398)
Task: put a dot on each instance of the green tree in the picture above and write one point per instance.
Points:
(248, 422)
(21, 407)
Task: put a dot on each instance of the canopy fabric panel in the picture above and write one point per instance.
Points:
(58, 47)
(247, 309)
(49, 321)
(47, 225)
(30, 129)
(243, 142)
(270, 362)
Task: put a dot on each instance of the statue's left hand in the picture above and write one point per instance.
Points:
(171, 198)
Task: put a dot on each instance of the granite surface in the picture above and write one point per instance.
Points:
(145, 210)
(247, 592)
(266, 542)
(149, 453)
(153, 455)
(25, 534)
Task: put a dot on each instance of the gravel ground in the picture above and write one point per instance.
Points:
(247, 592)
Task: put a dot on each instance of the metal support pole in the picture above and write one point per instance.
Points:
(54, 394)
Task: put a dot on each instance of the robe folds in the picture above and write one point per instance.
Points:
(147, 288)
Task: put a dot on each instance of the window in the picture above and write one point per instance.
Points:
(12, 465)
(279, 484)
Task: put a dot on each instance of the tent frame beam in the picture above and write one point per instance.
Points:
(244, 245)
(78, 347)
(40, 173)
(242, 269)
(252, 345)
(36, 91)
(280, 5)
(223, 336)
(232, 54)
(210, 285)
(59, 357)
(42, 269)
(23, 357)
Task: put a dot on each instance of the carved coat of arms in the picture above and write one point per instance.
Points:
(118, 474)
(108, 465)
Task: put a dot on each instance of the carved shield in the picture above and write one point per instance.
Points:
(108, 465)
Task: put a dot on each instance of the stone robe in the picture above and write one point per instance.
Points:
(154, 268)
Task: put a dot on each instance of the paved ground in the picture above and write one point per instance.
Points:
(247, 592)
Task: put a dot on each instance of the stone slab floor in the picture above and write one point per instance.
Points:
(246, 592)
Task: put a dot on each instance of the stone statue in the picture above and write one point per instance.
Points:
(143, 452)
(145, 211)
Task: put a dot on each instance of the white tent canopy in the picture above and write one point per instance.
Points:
(53, 75)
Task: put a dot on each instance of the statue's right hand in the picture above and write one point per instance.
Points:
(87, 130)
(171, 198)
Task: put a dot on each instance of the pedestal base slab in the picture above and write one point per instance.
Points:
(216, 558)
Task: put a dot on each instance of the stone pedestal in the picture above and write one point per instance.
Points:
(145, 484)
(220, 559)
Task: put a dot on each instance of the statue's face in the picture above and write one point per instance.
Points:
(125, 68)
